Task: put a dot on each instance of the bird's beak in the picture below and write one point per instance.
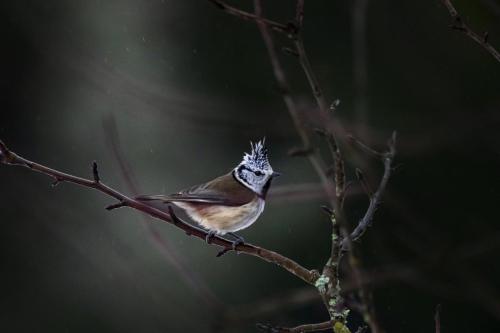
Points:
(276, 174)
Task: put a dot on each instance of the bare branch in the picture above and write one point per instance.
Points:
(251, 17)
(309, 276)
(459, 25)
(338, 167)
(311, 77)
(365, 222)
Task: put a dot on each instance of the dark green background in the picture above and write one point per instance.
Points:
(188, 87)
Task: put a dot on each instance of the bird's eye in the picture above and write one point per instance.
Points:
(258, 173)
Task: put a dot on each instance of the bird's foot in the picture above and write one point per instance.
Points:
(238, 240)
(236, 243)
(209, 236)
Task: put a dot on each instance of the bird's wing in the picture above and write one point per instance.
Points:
(224, 190)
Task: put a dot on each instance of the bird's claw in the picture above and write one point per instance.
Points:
(236, 243)
(209, 236)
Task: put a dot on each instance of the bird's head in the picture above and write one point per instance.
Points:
(254, 171)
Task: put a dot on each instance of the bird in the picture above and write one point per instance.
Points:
(228, 203)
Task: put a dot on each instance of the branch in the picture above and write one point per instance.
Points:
(367, 308)
(252, 17)
(459, 25)
(311, 77)
(366, 221)
(309, 276)
(338, 167)
(325, 326)
(322, 105)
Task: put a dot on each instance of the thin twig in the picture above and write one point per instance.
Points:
(322, 105)
(459, 25)
(309, 276)
(338, 167)
(311, 77)
(251, 17)
(313, 81)
(375, 199)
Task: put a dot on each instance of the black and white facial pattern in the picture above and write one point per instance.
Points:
(255, 171)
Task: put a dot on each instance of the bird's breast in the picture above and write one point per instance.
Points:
(223, 219)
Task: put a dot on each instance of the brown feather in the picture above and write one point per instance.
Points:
(224, 190)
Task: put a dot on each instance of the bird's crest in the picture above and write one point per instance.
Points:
(258, 156)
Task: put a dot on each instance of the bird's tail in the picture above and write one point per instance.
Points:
(158, 197)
